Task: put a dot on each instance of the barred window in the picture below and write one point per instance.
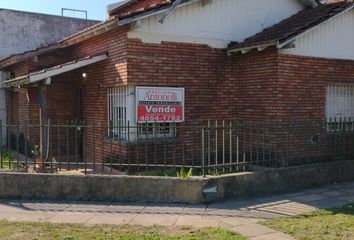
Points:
(340, 106)
(122, 118)
(120, 111)
(340, 101)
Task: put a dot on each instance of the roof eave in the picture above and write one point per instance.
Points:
(52, 72)
(285, 42)
(244, 50)
(129, 19)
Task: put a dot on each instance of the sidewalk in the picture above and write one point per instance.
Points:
(242, 215)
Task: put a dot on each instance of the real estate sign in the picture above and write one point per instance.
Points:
(160, 104)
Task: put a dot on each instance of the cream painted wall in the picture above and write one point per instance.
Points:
(215, 22)
(333, 39)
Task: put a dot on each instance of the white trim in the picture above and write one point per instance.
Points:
(259, 47)
(146, 15)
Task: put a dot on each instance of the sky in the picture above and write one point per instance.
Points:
(96, 8)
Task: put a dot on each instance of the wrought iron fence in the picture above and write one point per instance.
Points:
(195, 149)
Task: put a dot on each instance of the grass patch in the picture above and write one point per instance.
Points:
(49, 231)
(324, 224)
(189, 172)
(7, 162)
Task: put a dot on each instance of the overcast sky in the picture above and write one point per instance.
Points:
(96, 8)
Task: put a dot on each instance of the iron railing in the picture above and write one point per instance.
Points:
(199, 148)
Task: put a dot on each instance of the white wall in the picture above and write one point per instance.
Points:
(333, 39)
(22, 31)
(217, 23)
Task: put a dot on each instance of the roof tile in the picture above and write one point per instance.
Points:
(294, 25)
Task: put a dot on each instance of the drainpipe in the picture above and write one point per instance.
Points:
(3, 118)
(309, 3)
(43, 122)
(170, 10)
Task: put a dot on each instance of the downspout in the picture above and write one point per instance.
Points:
(170, 10)
(3, 108)
(309, 3)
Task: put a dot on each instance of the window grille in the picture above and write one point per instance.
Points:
(158, 130)
(120, 111)
(122, 115)
(340, 106)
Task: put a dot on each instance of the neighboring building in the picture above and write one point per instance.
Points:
(248, 59)
(21, 31)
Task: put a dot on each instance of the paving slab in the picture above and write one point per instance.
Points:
(197, 221)
(308, 198)
(253, 230)
(87, 207)
(111, 219)
(70, 218)
(238, 221)
(125, 208)
(273, 236)
(164, 208)
(10, 208)
(37, 217)
(241, 215)
(156, 219)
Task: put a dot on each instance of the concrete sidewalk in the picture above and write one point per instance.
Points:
(242, 215)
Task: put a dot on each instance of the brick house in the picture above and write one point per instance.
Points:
(268, 60)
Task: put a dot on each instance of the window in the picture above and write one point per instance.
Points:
(120, 111)
(339, 105)
(122, 118)
(340, 101)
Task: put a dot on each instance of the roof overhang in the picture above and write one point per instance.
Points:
(45, 74)
(284, 43)
(245, 50)
(149, 13)
(7, 61)
(106, 26)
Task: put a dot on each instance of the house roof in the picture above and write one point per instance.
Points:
(280, 34)
(133, 7)
(54, 71)
(122, 13)
(129, 8)
(28, 54)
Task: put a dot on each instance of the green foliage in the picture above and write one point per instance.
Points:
(7, 161)
(49, 231)
(183, 174)
(334, 224)
(36, 151)
(6, 155)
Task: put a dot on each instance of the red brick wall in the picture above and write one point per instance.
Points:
(218, 87)
(302, 83)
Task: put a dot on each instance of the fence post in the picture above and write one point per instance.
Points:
(17, 145)
(128, 146)
(203, 152)
(25, 142)
(84, 145)
(1, 145)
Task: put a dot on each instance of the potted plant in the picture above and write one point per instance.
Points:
(40, 161)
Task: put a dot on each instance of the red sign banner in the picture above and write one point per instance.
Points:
(160, 104)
